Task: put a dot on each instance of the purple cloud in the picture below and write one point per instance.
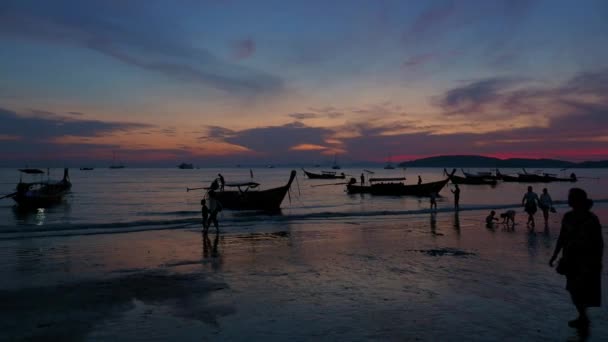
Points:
(244, 49)
(114, 31)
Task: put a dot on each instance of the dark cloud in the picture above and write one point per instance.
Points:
(331, 114)
(43, 126)
(473, 97)
(303, 116)
(116, 31)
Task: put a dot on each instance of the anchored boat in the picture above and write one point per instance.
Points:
(247, 197)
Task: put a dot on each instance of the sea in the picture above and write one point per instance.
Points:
(123, 258)
(108, 201)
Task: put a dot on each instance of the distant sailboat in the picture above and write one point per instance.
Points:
(389, 165)
(185, 166)
(116, 165)
(336, 166)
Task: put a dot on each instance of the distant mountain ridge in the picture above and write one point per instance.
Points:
(490, 162)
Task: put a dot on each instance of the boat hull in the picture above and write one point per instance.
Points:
(398, 189)
(47, 196)
(311, 175)
(267, 200)
(473, 180)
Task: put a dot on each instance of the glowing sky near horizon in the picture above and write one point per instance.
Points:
(299, 82)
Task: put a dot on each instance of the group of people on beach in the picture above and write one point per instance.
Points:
(531, 202)
(456, 191)
(580, 242)
(209, 213)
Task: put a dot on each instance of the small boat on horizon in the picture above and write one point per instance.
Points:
(86, 168)
(389, 165)
(185, 166)
(114, 164)
(335, 166)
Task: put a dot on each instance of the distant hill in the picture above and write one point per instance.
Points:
(490, 162)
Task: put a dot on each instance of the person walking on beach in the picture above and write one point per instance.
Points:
(205, 215)
(530, 202)
(419, 180)
(581, 243)
(362, 179)
(545, 203)
(215, 207)
(433, 200)
(456, 193)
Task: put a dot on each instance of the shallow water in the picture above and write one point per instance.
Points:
(421, 277)
(106, 200)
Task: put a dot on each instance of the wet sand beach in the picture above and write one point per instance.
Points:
(393, 278)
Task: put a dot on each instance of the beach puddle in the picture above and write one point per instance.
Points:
(444, 252)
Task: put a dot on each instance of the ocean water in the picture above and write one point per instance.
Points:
(330, 266)
(115, 201)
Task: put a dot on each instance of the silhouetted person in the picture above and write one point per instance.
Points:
(573, 177)
(205, 215)
(530, 203)
(545, 203)
(215, 207)
(222, 181)
(490, 219)
(581, 243)
(362, 179)
(433, 200)
(214, 185)
(419, 180)
(456, 193)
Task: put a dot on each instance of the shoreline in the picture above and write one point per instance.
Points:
(387, 278)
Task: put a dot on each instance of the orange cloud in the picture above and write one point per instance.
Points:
(308, 147)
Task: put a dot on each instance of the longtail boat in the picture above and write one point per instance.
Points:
(324, 175)
(506, 178)
(41, 194)
(480, 174)
(471, 179)
(387, 187)
(247, 198)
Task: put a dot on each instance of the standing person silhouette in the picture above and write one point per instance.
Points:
(545, 203)
(215, 207)
(456, 193)
(530, 202)
(419, 180)
(581, 243)
(362, 179)
(205, 216)
(222, 182)
(433, 200)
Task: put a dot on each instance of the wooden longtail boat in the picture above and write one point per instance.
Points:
(471, 180)
(481, 174)
(397, 189)
(245, 198)
(506, 178)
(324, 175)
(536, 178)
(41, 194)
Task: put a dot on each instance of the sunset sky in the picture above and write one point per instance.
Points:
(238, 82)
